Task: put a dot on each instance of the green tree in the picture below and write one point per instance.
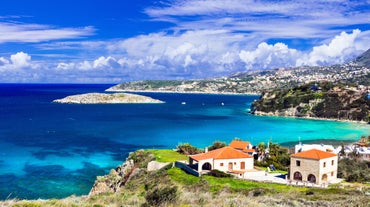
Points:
(278, 156)
(188, 149)
(216, 145)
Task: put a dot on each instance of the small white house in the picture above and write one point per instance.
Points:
(226, 159)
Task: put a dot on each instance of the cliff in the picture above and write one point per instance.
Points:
(324, 100)
(102, 98)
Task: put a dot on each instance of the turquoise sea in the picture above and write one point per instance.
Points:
(50, 150)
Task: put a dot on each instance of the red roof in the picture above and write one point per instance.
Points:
(239, 144)
(313, 154)
(219, 154)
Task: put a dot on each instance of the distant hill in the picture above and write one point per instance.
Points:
(364, 59)
(324, 100)
(356, 72)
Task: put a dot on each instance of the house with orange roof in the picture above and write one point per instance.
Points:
(243, 146)
(226, 159)
(314, 166)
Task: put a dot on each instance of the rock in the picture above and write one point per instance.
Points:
(114, 180)
(154, 165)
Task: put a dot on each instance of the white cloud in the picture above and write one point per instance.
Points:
(3, 61)
(20, 59)
(340, 49)
(268, 18)
(191, 54)
(11, 32)
(269, 56)
(106, 62)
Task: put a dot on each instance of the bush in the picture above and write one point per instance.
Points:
(219, 174)
(188, 149)
(217, 145)
(161, 196)
(353, 170)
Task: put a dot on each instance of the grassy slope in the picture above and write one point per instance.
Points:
(208, 191)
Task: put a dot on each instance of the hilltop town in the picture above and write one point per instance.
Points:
(356, 72)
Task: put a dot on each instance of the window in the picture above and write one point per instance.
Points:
(221, 164)
(298, 163)
(324, 164)
(332, 173)
(332, 162)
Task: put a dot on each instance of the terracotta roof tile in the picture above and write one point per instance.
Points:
(222, 153)
(314, 154)
(239, 144)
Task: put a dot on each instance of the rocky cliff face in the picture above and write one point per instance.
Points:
(117, 178)
(316, 101)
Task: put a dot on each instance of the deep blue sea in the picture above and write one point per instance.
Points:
(50, 150)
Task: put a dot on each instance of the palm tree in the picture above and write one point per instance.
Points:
(261, 149)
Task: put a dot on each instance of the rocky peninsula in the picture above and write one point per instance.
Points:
(323, 100)
(105, 98)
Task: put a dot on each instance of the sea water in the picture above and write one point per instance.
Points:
(51, 150)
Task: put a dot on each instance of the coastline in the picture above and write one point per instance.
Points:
(260, 113)
(181, 92)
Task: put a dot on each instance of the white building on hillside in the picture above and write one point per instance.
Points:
(226, 159)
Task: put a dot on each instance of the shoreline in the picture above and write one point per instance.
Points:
(182, 92)
(259, 113)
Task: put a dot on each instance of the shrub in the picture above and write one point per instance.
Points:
(161, 196)
(188, 149)
(353, 170)
(216, 145)
(219, 174)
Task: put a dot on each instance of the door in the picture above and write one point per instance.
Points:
(242, 165)
(230, 165)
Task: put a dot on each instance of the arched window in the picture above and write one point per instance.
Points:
(311, 178)
(297, 176)
(207, 166)
(324, 177)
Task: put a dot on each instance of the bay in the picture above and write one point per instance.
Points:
(50, 150)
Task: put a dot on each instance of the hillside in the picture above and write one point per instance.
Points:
(133, 185)
(255, 82)
(323, 100)
(364, 59)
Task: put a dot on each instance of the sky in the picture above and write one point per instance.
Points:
(114, 41)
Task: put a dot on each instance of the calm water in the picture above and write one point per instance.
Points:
(51, 150)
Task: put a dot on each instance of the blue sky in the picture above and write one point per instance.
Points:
(112, 41)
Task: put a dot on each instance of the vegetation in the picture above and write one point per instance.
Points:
(161, 196)
(219, 174)
(322, 100)
(354, 170)
(167, 155)
(277, 156)
(216, 145)
(188, 149)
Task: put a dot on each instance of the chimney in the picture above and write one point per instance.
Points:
(206, 150)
